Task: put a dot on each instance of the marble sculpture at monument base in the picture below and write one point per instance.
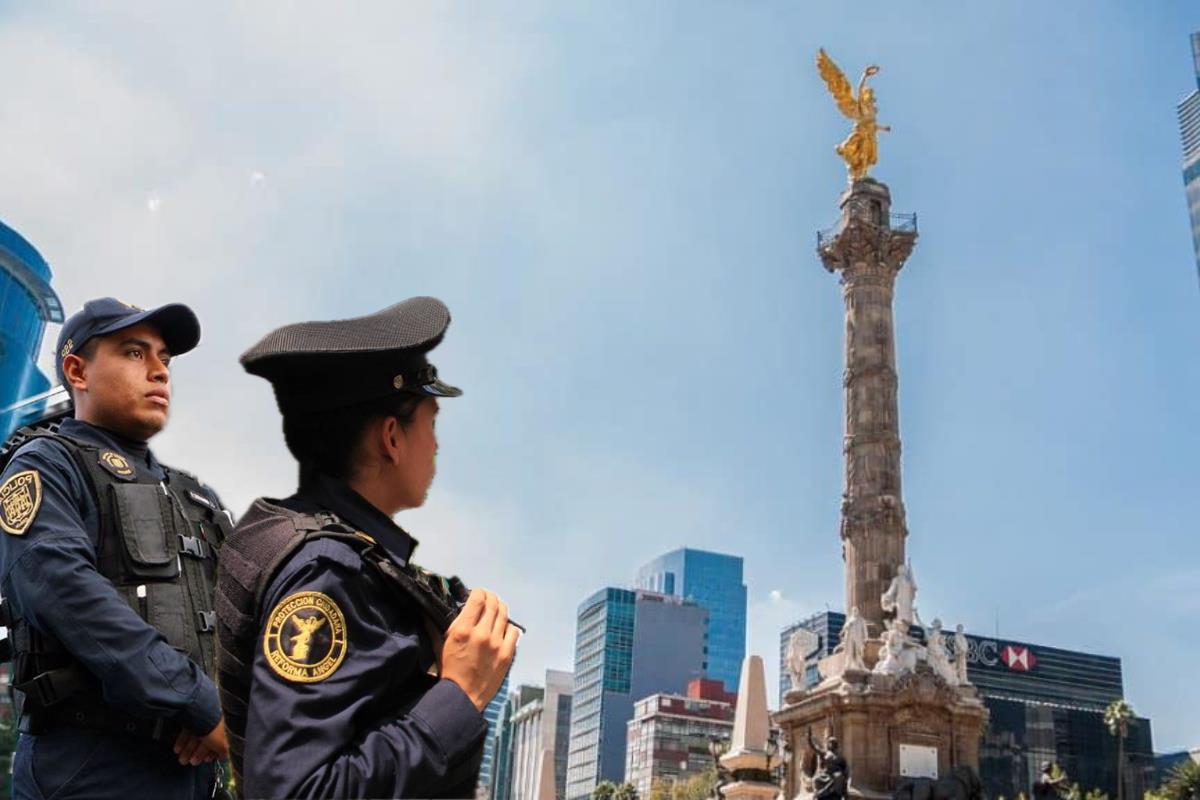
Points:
(890, 727)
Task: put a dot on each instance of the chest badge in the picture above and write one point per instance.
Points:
(117, 464)
(305, 640)
(20, 499)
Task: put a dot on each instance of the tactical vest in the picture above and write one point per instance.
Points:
(266, 537)
(158, 544)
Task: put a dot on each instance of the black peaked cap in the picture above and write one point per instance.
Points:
(325, 365)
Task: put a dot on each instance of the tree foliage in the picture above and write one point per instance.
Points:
(605, 790)
(1117, 717)
(659, 790)
(1183, 783)
(697, 787)
(626, 791)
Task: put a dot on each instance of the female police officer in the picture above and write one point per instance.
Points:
(346, 671)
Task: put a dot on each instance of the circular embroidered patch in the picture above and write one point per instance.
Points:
(20, 499)
(116, 464)
(305, 639)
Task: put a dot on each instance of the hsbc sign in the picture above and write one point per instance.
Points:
(1019, 658)
(990, 653)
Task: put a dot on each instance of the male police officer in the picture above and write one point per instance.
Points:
(107, 567)
(346, 671)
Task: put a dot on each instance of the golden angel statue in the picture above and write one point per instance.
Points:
(860, 150)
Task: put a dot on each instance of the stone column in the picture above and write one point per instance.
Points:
(868, 251)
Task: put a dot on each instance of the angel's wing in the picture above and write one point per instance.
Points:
(839, 87)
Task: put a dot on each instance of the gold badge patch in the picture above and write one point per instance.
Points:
(305, 640)
(20, 499)
(116, 464)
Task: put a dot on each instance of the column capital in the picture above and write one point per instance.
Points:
(869, 244)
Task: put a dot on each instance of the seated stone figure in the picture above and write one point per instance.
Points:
(833, 773)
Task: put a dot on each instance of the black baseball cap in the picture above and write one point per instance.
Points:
(176, 323)
(324, 365)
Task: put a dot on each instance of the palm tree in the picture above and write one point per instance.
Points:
(1118, 717)
(604, 790)
(1184, 782)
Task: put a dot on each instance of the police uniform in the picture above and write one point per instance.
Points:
(327, 661)
(107, 564)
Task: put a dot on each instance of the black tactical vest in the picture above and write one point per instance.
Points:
(158, 544)
(266, 537)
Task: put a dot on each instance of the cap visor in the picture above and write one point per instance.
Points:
(176, 323)
(439, 389)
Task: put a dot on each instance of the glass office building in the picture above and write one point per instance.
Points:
(713, 581)
(629, 644)
(1189, 130)
(1046, 704)
(27, 303)
(501, 740)
(492, 712)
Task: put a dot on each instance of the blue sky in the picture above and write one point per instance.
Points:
(618, 202)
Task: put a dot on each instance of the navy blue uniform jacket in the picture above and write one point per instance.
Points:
(49, 576)
(379, 723)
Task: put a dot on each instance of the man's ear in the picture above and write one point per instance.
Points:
(75, 373)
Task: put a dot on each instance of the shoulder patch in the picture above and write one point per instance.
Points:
(117, 464)
(20, 499)
(305, 640)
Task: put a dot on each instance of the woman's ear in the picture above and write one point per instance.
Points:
(392, 439)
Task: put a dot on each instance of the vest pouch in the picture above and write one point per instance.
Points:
(147, 532)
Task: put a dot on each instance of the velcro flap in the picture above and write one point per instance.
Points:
(144, 514)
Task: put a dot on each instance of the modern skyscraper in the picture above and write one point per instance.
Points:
(27, 303)
(492, 713)
(629, 644)
(541, 729)
(713, 581)
(1189, 129)
(502, 740)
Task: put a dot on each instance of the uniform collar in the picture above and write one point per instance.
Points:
(135, 452)
(352, 508)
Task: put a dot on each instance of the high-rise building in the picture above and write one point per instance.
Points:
(500, 787)
(1046, 704)
(629, 644)
(492, 713)
(1189, 129)
(713, 581)
(27, 303)
(669, 735)
(541, 729)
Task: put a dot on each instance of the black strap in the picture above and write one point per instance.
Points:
(97, 717)
(441, 609)
(55, 685)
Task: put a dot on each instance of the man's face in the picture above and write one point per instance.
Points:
(420, 444)
(126, 384)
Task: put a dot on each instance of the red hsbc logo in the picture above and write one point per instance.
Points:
(1017, 658)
